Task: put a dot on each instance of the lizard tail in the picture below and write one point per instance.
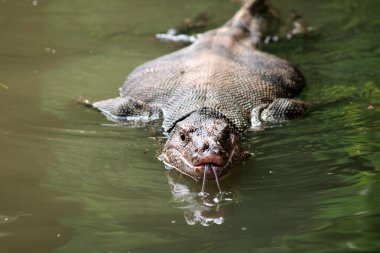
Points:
(256, 18)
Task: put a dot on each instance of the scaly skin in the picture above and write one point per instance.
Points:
(202, 139)
(210, 92)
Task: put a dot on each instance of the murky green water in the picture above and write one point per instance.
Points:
(70, 181)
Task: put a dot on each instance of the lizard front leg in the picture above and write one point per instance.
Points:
(280, 110)
(123, 109)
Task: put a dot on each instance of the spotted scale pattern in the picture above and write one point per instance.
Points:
(222, 71)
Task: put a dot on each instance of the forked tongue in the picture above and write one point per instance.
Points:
(205, 171)
(216, 178)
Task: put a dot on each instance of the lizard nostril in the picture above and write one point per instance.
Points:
(206, 145)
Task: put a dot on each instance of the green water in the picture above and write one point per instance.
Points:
(70, 181)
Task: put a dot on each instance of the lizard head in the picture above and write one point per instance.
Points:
(202, 146)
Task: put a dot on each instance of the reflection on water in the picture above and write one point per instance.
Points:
(206, 209)
(312, 185)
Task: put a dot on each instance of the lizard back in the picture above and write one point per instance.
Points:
(223, 72)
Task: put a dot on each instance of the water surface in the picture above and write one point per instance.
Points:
(71, 181)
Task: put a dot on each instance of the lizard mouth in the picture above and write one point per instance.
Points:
(196, 169)
(209, 167)
(216, 160)
(211, 161)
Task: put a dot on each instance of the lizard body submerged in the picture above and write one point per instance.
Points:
(210, 92)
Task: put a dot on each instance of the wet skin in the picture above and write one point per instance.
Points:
(202, 147)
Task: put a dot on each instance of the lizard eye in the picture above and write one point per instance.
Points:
(182, 136)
